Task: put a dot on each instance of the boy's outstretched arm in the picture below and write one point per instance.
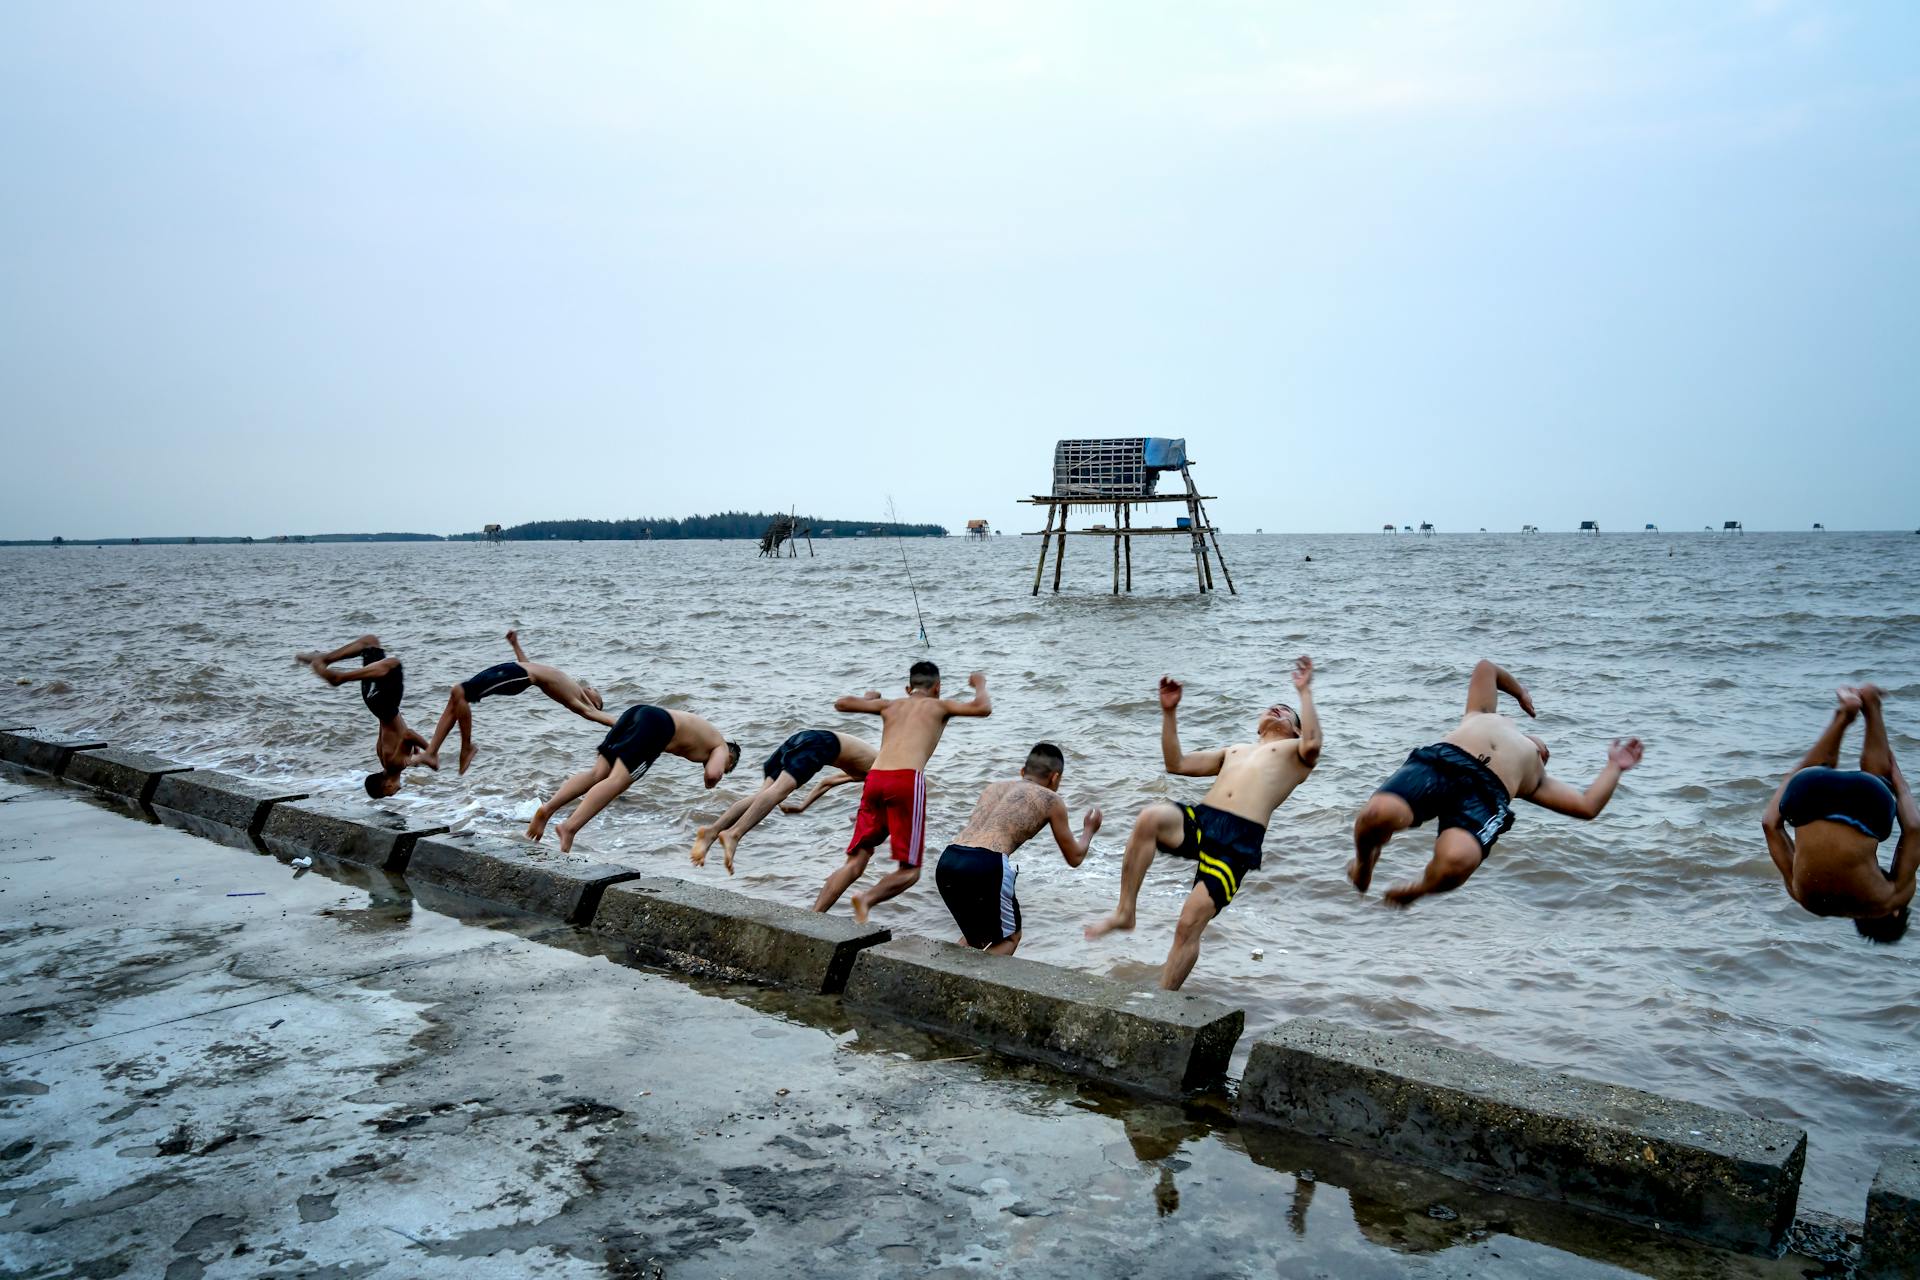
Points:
(1490, 680)
(869, 703)
(1186, 764)
(519, 654)
(1309, 741)
(1622, 755)
(342, 675)
(978, 705)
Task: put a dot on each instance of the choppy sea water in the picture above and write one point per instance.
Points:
(1653, 947)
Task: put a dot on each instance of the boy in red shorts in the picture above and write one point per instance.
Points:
(893, 804)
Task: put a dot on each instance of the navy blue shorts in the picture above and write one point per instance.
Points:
(1442, 781)
(977, 886)
(1863, 801)
(501, 681)
(638, 737)
(1224, 847)
(803, 755)
(383, 693)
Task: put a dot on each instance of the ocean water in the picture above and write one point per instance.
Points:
(1653, 947)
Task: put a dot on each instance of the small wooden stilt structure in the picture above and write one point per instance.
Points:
(1119, 475)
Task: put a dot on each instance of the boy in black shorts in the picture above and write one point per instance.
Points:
(976, 872)
(1224, 832)
(382, 685)
(640, 736)
(507, 680)
(798, 759)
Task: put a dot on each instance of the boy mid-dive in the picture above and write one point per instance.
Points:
(893, 803)
(506, 680)
(788, 769)
(640, 736)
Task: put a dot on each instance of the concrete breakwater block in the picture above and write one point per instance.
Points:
(43, 752)
(516, 874)
(1713, 1175)
(706, 930)
(346, 830)
(131, 774)
(1161, 1042)
(1890, 1244)
(218, 806)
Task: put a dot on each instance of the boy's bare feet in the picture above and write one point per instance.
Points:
(1850, 700)
(538, 827)
(859, 908)
(702, 841)
(729, 841)
(467, 752)
(1360, 874)
(1107, 925)
(567, 834)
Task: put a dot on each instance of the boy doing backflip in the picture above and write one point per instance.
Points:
(893, 803)
(382, 685)
(1223, 834)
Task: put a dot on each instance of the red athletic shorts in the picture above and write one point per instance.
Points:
(893, 803)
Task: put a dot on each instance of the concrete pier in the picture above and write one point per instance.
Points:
(217, 805)
(515, 874)
(43, 752)
(131, 775)
(1160, 1042)
(1709, 1174)
(347, 829)
(706, 930)
(1890, 1244)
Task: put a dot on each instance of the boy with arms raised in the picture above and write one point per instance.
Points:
(893, 803)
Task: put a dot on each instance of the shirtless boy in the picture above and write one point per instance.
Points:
(506, 680)
(976, 872)
(1469, 780)
(639, 737)
(1831, 859)
(893, 803)
(1223, 834)
(382, 685)
(789, 768)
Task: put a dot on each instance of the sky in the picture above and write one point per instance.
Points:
(355, 267)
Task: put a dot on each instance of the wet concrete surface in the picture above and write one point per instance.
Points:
(326, 1079)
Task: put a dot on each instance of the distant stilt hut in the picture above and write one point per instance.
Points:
(1387, 528)
(1818, 527)
(1121, 474)
(492, 533)
(1425, 527)
(1733, 526)
(1589, 526)
(1529, 528)
(978, 529)
(1653, 528)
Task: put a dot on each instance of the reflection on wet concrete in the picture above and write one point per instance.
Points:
(351, 1077)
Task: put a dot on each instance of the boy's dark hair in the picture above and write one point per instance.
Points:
(1886, 930)
(1045, 758)
(733, 754)
(376, 785)
(923, 675)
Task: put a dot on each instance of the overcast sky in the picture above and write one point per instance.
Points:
(325, 267)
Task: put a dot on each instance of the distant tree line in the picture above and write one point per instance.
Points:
(726, 524)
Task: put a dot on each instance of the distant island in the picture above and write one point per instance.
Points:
(744, 525)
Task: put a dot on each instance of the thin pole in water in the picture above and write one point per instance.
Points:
(902, 544)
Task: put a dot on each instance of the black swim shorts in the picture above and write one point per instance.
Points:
(803, 755)
(1224, 847)
(977, 886)
(382, 694)
(503, 681)
(638, 737)
(1861, 800)
(1443, 781)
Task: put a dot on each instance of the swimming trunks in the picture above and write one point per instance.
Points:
(803, 755)
(893, 803)
(1446, 782)
(382, 694)
(638, 737)
(977, 886)
(1224, 847)
(503, 680)
(1861, 800)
